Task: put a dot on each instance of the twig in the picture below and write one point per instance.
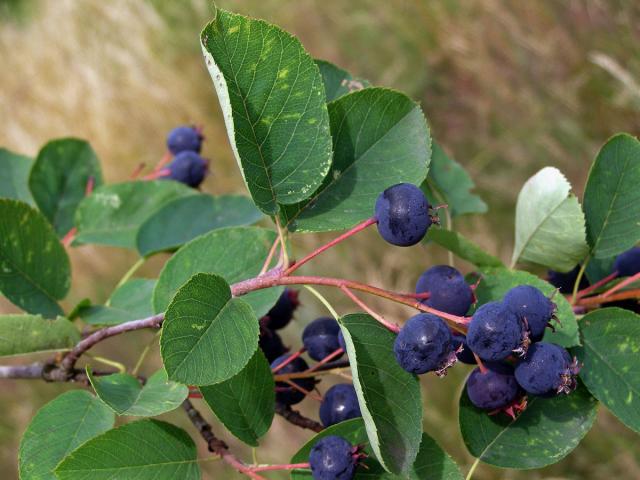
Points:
(296, 418)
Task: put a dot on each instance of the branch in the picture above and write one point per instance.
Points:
(296, 418)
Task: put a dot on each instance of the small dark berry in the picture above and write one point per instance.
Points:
(332, 458)
(448, 291)
(320, 337)
(565, 281)
(282, 312)
(340, 403)
(189, 168)
(495, 332)
(185, 138)
(403, 216)
(341, 341)
(546, 370)
(532, 307)
(286, 394)
(627, 263)
(494, 389)
(271, 344)
(465, 355)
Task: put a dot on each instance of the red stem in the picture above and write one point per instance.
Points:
(332, 243)
(622, 284)
(392, 327)
(328, 358)
(289, 466)
(289, 359)
(586, 291)
(598, 299)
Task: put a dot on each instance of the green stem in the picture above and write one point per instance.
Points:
(324, 301)
(144, 353)
(134, 268)
(472, 469)
(576, 286)
(112, 363)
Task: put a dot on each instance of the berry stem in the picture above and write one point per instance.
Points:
(576, 285)
(272, 252)
(284, 256)
(166, 158)
(288, 466)
(392, 327)
(481, 366)
(324, 301)
(297, 387)
(308, 374)
(137, 171)
(327, 246)
(622, 284)
(586, 291)
(328, 358)
(599, 299)
(290, 359)
(69, 237)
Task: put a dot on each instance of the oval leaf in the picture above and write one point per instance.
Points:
(113, 214)
(380, 138)
(541, 435)
(611, 370)
(144, 450)
(612, 197)
(21, 334)
(58, 428)
(34, 267)
(233, 253)
(14, 176)
(549, 223)
(207, 336)
(273, 103)
(495, 283)
(462, 247)
(245, 403)
(184, 219)
(130, 301)
(383, 386)
(338, 82)
(59, 178)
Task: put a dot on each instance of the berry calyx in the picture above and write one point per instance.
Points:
(271, 344)
(547, 370)
(627, 263)
(282, 312)
(320, 337)
(448, 291)
(185, 138)
(495, 333)
(424, 344)
(285, 393)
(188, 167)
(495, 388)
(533, 308)
(340, 403)
(565, 281)
(332, 458)
(403, 215)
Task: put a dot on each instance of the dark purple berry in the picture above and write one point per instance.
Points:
(189, 168)
(494, 389)
(565, 281)
(320, 337)
(448, 291)
(465, 355)
(341, 341)
(340, 403)
(533, 308)
(627, 263)
(282, 312)
(285, 393)
(271, 344)
(546, 370)
(332, 458)
(495, 332)
(185, 138)
(403, 216)
(424, 344)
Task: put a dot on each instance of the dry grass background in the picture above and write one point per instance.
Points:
(507, 86)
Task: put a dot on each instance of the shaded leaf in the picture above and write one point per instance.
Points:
(462, 247)
(14, 176)
(338, 82)
(274, 107)
(130, 301)
(21, 334)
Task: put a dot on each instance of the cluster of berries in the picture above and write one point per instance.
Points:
(187, 166)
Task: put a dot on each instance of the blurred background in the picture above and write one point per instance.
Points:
(507, 86)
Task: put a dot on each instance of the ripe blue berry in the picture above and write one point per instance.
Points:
(403, 216)
(495, 332)
(532, 307)
(340, 403)
(627, 263)
(185, 138)
(424, 344)
(189, 168)
(271, 344)
(494, 389)
(448, 291)
(332, 458)
(546, 370)
(565, 281)
(465, 355)
(286, 394)
(282, 312)
(320, 337)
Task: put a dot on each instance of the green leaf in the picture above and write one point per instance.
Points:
(234, 253)
(144, 450)
(34, 266)
(207, 336)
(185, 218)
(59, 427)
(21, 334)
(130, 301)
(611, 371)
(338, 82)
(450, 183)
(549, 223)
(462, 247)
(274, 107)
(612, 197)
(113, 214)
(389, 397)
(497, 282)
(246, 402)
(432, 463)
(380, 138)
(59, 178)
(124, 394)
(14, 176)
(541, 435)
